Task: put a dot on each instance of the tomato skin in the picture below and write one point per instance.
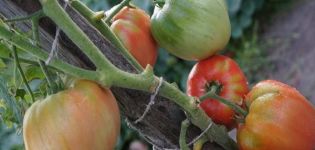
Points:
(192, 29)
(227, 73)
(82, 117)
(279, 118)
(132, 27)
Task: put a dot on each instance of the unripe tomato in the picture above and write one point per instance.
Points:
(132, 27)
(191, 29)
(84, 117)
(232, 83)
(279, 118)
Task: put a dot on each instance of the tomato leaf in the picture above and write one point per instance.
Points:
(11, 111)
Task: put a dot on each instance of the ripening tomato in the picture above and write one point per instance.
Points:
(191, 29)
(83, 117)
(132, 27)
(223, 72)
(279, 118)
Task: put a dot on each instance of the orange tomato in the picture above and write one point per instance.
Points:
(83, 117)
(279, 118)
(132, 27)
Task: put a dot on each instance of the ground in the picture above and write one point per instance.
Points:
(290, 41)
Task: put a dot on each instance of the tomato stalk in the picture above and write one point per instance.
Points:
(212, 94)
(37, 14)
(183, 132)
(17, 63)
(116, 10)
(22, 43)
(104, 29)
(35, 23)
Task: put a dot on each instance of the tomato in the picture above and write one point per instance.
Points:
(279, 118)
(132, 27)
(225, 73)
(191, 29)
(80, 118)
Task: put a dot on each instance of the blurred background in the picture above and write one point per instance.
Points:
(271, 39)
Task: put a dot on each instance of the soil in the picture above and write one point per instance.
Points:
(290, 42)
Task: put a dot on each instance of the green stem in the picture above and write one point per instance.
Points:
(117, 8)
(26, 61)
(36, 14)
(211, 94)
(104, 29)
(183, 132)
(17, 63)
(197, 116)
(24, 44)
(199, 144)
(35, 30)
(55, 12)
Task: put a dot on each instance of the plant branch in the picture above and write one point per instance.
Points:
(183, 132)
(17, 63)
(104, 29)
(199, 144)
(117, 8)
(35, 24)
(211, 94)
(54, 11)
(26, 61)
(39, 13)
(24, 44)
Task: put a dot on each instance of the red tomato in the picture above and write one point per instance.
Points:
(132, 27)
(225, 73)
(80, 118)
(279, 118)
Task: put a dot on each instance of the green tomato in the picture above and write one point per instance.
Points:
(191, 29)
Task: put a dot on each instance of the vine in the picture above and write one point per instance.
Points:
(106, 73)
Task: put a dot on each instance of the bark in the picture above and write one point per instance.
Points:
(160, 127)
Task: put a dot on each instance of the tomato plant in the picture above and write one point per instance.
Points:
(192, 30)
(85, 116)
(279, 118)
(132, 26)
(224, 74)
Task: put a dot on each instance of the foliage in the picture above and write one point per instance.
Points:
(14, 98)
(241, 14)
(10, 140)
(249, 54)
(168, 66)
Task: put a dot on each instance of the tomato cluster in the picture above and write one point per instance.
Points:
(279, 117)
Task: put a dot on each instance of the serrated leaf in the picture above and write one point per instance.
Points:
(34, 72)
(9, 101)
(20, 93)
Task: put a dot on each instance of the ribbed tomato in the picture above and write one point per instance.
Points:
(191, 29)
(279, 118)
(83, 117)
(223, 72)
(132, 27)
